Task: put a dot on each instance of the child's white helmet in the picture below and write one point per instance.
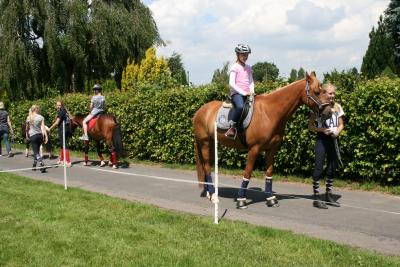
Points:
(242, 48)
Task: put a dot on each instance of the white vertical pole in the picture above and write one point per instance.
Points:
(216, 174)
(65, 158)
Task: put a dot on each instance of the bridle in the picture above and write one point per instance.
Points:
(313, 99)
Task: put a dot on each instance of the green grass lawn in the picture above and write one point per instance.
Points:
(41, 224)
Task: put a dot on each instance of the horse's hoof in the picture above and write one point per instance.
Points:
(203, 193)
(272, 202)
(214, 199)
(241, 203)
(102, 164)
(114, 166)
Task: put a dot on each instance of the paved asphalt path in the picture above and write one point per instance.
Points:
(367, 220)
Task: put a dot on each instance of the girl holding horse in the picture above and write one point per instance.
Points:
(97, 104)
(241, 85)
(62, 118)
(327, 130)
(37, 135)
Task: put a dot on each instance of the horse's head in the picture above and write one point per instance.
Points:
(317, 100)
(75, 122)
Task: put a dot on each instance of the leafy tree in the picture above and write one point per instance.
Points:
(221, 76)
(265, 71)
(392, 20)
(129, 75)
(293, 76)
(70, 44)
(301, 74)
(345, 81)
(151, 71)
(177, 70)
(387, 72)
(380, 51)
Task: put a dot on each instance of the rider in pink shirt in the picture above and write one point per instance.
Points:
(241, 85)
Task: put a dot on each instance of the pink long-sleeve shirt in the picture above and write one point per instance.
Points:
(241, 79)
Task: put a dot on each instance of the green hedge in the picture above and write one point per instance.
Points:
(156, 125)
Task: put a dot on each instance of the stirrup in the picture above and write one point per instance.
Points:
(229, 136)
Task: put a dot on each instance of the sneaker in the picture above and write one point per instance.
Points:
(84, 137)
(69, 164)
(318, 202)
(331, 200)
(41, 164)
(10, 155)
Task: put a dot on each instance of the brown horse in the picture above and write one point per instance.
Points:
(105, 128)
(264, 133)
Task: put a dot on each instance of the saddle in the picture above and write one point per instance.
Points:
(245, 118)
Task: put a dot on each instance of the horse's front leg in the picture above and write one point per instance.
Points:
(207, 154)
(271, 199)
(86, 151)
(100, 154)
(242, 194)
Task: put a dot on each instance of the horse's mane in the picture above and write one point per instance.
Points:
(282, 88)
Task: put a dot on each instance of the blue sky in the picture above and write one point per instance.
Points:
(316, 35)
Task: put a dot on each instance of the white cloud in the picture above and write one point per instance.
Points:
(317, 35)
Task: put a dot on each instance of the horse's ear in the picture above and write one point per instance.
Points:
(313, 74)
(308, 77)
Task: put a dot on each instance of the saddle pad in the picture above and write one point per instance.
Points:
(222, 117)
(92, 122)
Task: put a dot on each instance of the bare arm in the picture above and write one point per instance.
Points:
(10, 125)
(55, 123)
(341, 126)
(27, 130)
(44, 132)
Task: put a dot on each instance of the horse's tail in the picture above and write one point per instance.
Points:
(199, 163)
(117, 141)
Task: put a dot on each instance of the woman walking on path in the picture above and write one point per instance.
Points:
(5, 129)
(37, 135)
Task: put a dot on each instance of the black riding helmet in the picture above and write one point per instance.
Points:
(97, 87)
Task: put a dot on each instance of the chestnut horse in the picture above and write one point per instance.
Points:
(264, 133)
(105, 128)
